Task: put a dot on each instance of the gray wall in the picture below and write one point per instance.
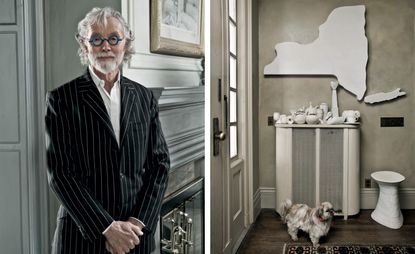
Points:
(390, 32)
(61, 22)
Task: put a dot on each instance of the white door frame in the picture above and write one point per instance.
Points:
(214, 181)
(246, 99)
(35, 73)
(249, 113)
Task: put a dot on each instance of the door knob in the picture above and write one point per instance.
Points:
(220, 135)
(217, 136)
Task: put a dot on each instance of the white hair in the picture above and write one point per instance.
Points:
(100, 16)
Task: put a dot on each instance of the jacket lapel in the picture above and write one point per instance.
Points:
(128, 98)
(93, 101)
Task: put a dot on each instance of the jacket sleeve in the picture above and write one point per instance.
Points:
(155, 178)
(65, 175)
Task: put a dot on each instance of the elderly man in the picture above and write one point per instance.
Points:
(107, 158)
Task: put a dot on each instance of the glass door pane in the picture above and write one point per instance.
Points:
(233, 107)
(233, 141)
(232, 72)
(232, 9)
(232, 38)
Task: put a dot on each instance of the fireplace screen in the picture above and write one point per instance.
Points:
(182, 227)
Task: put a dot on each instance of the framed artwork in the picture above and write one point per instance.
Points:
(176, 27)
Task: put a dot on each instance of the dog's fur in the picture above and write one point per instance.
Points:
(314, 221)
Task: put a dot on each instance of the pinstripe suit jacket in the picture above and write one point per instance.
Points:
(95, 179)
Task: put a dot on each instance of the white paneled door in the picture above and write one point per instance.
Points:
(229, 179)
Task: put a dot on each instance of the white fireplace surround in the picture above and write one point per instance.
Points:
(181, 112)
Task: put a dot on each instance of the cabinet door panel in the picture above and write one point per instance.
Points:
(331, 167)
(304, 166)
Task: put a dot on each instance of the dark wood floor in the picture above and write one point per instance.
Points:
(268, 234)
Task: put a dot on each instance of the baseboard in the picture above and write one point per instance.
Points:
(257, 203)
(239, 241)
(368, 197)
(267, 197)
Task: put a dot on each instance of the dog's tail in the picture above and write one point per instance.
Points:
(285, 206)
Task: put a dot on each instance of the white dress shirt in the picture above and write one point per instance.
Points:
(112, 101)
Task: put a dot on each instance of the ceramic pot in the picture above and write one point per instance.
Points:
(312, 119)
(311, 110)
(299, 119)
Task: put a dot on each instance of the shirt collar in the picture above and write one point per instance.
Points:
(100, 82)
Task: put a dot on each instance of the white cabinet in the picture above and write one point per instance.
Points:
(316, 163)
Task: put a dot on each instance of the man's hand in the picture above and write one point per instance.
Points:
(122, 236)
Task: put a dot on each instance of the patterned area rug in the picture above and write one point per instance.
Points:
(348, 249)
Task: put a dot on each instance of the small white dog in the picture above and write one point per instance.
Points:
(314, 221)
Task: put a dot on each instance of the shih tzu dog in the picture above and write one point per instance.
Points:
(314, 221)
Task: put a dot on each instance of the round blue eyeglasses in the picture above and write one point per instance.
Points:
(112, 40)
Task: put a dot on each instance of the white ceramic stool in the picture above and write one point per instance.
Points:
(388, 212)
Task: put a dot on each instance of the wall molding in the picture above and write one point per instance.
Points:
(149, 61)
(368, 197)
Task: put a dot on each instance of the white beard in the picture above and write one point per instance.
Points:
(106, 66)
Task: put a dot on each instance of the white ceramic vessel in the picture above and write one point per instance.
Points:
(312, 119)
(299, 119)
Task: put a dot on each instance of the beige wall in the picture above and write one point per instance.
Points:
(255, 91)
(390, 32)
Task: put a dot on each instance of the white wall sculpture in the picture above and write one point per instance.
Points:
(340, 50)
(379, 97)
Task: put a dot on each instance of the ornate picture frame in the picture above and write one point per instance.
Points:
(176, 27)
